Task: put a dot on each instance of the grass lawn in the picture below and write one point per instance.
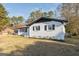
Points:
(17, 45)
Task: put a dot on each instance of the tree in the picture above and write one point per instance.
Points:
(3, 17)
(20, 19)
(13, 20)
(50, 14)
(35, 14)
(70, 12)
(39, 13)
(16, 20)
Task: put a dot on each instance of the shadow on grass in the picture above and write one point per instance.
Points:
(46, 49)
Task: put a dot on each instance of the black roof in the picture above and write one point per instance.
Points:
(44, 19)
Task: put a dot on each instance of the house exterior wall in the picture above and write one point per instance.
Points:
(20, 32)
(23, 32)
(58, 33)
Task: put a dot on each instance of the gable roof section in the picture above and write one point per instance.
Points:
(21, 25)
(44, 19)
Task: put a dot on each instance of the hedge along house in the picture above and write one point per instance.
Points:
(47, 28)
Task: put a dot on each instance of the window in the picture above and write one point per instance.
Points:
(33, 28)
(37, 28)
(45, 28)
(49, 27)
(25, 29)
(53, 27)
(22, 30)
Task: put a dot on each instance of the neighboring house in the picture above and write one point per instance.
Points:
(46, 28)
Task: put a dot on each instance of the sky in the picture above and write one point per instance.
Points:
(24, 9)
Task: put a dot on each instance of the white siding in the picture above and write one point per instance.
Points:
(58, 33)
(20, 32)
(24, 33)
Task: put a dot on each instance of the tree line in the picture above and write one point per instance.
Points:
(34, 15)
(67, 11)
(70, 12)
(6, 21)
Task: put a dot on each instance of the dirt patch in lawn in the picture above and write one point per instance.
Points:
(41, 48)
(13, 45)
